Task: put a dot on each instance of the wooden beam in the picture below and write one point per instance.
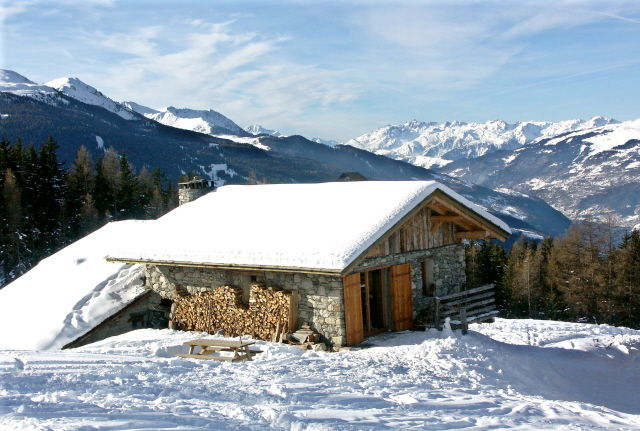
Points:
(474, 234)
(435, 226)
(451, 204)
(447, 218)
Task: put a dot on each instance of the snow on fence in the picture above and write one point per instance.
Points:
(469, 306)
(271, 312)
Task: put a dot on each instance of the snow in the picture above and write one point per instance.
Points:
(242, 140)
(514, 374)
(328, 142)
(529, 234)
(76, 89)
(13, 82)
(436, 144)
(100, 142)
(614, 136)
(70, 292)
(633, 165)
(190, 119)
(319, 226)
(213, 172)
(257, 129)
(4, 116)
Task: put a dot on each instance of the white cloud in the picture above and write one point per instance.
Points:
(209, 65)
(14, 9)
(457, 45)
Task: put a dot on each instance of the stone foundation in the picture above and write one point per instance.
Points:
(320, 297)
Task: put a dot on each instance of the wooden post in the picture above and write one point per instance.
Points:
(463, 320)
(436, 313)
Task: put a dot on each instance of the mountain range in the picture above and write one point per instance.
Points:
(438, 144)
(589, 173)
(78, 114)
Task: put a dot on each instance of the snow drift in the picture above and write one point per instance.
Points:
(514, 374)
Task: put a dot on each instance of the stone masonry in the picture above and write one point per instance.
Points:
(320, 297)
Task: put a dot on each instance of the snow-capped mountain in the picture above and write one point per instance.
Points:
(13, 82)
(437, 144)
(327, 142)
(585, 174)
(233, 156)
(209, 122)
(257, 129)
(75, 88)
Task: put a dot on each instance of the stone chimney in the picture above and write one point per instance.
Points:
(193, 189)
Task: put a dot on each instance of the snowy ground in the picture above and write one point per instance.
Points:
(514, 374)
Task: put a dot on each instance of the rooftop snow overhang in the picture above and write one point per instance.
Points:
(440, 196)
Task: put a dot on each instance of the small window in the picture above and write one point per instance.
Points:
(254, 278)
(428, 283)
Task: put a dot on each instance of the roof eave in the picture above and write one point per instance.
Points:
(319, 271)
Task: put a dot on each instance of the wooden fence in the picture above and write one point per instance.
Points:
(469, 306)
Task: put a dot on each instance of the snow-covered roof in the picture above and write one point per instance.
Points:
(323, 226)
(70, 292)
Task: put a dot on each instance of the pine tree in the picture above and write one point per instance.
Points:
(128, 192)
(79, 203)
(11, 246)
(48, 216)
(106, 185)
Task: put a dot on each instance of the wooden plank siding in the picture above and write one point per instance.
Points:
(401, 297)
(353, 309)
(416, 233)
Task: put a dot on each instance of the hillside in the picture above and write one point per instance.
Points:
(587, 173)
(514, 374)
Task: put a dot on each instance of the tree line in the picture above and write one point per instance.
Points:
(44, 206)
(587, 275)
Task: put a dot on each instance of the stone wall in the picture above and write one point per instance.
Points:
(320, 297)
(448, 272)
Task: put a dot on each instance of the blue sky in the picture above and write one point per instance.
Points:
(339, 69)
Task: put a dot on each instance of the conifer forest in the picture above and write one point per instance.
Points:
(44, 206)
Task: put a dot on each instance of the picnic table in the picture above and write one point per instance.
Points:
(240, 350)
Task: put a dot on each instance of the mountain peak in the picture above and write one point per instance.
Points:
(257, 129)
(11, 77)
(140, 109)
(13, 82)
(79, 90)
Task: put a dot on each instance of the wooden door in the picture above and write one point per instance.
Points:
(401, 297)
(353, 309)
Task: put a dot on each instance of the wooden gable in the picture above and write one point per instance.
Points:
(438, 221)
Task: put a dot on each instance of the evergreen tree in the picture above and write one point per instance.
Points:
(48, 216)
(128, 192)
(79, 203)
(11, 246)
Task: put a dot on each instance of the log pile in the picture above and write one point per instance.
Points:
(269, 314)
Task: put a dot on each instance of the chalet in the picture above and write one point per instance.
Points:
(351, 258)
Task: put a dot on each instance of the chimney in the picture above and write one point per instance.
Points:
(191, 190)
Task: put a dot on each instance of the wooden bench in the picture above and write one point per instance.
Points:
(240, 349)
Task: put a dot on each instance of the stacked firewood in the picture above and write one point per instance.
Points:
(267, 317)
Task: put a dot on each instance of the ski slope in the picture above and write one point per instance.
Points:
(514, 374)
